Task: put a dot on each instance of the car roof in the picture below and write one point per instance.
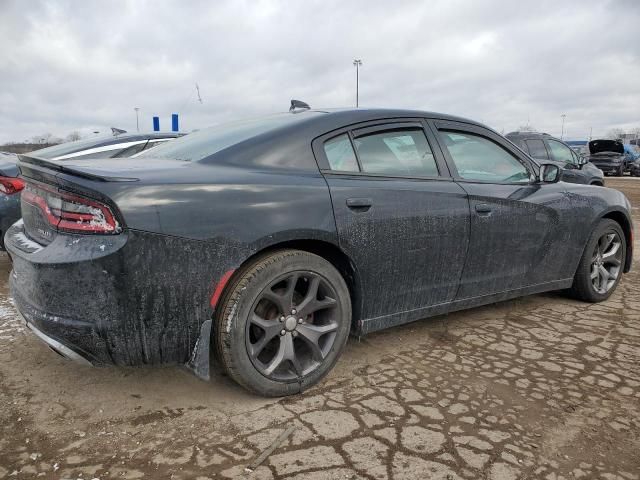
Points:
(354, 115)
(532, 136)
(317, 122)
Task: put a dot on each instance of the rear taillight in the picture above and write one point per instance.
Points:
(71, 213)
(10, 185)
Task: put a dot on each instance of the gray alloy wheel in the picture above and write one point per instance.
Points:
(292, 326)
(606, 262)
(282, 322)
(602, 263)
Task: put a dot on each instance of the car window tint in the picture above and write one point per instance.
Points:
(560, 151)
(478, 158)
(403, 152)
(340, 154)
(536, 149)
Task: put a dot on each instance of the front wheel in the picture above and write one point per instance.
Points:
(620, 171)
(282, 322)
(601, 265)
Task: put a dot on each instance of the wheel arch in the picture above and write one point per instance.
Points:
(621, 219)
(328, 251)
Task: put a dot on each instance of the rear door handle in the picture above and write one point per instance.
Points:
(483, 208)
(359, 203)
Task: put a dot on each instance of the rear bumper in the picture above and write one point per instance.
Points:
(57, 346)
(73, 339)
(135, 298)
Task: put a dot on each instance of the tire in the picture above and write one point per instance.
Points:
(620, 171)
(252, 341)
(584, 285)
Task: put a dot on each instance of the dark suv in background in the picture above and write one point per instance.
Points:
(610, 156)
(545, 148)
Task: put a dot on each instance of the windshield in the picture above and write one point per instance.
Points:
(202, 144)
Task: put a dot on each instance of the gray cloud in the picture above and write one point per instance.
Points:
(69, 65)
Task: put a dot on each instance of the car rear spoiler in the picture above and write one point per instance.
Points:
(49, 165)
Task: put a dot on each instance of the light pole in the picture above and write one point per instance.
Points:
(562, 134)
(357, 63)
(137, 123)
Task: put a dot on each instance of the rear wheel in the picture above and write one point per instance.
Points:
(282, 323)
(620, 171)
(601, 265)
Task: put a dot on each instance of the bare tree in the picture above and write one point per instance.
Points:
(73, 136)
(615, 133)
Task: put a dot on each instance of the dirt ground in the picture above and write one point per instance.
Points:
(540, 387)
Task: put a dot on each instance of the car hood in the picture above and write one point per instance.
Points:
(606, 146)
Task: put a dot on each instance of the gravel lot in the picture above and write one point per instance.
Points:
(540, 387)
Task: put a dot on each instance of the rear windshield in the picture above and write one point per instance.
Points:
(204, 143)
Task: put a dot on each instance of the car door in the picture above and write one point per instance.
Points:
(517, 231)
(563, 154)
(400, 217)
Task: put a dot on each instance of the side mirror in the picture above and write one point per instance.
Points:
(549, 173)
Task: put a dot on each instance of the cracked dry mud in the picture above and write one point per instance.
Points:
(540, 387)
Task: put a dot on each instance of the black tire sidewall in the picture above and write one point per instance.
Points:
(239, 303)
(583, 275)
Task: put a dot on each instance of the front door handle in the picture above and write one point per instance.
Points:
(362, 204)
(483, 208)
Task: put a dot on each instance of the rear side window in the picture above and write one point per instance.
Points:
(536, 149)
(478, 158)
(340, 154)
(403, 152)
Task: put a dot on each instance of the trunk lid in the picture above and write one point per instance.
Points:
(57, 189)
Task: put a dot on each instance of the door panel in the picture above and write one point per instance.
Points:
(519, 230)
(516, 238)
(407, 238)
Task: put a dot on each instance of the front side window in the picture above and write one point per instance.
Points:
(478, 158)
(340, 154)
(560, 151)
(537, 149)
(403, 152)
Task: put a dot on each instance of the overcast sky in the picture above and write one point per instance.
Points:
(84, 65)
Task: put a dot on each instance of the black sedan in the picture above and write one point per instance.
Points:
(265, 243)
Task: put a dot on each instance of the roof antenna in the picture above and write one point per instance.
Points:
(117, 131)
(298, 104)
(198, 90)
